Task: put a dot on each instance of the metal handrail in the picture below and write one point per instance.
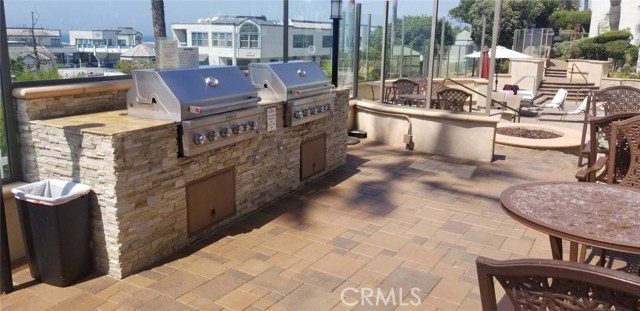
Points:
(535, 81)
(586, 82)
(480, 94)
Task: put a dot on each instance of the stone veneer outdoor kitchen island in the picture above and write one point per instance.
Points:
(139, 212)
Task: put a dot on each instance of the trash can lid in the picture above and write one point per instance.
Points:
(50, 191)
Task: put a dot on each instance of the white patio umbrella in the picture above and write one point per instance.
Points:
(501, 52)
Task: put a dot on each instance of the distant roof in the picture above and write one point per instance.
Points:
(235, 20)
(127, 31)
(260, 20)
(22, 51)
(40, 32)
(141, 50)
(407, 51)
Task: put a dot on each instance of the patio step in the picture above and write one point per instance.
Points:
(549, 88)
(556, 72)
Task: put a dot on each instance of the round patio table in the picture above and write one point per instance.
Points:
(601, 215)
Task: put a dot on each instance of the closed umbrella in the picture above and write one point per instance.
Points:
(484, 71)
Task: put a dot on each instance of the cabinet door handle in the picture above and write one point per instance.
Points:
(213, 213)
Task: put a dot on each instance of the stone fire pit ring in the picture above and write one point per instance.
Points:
(568, 138)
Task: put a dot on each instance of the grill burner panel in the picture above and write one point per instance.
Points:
(305, 110)
(204, 134)
(215, 106)
(302, 85)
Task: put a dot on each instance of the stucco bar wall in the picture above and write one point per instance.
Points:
(139, 209)
(458, 135)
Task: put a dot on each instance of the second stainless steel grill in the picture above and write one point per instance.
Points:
(302, 85)
(215, 106)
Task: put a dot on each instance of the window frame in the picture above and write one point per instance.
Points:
(249, 39)
(302, 42)
(203, 40)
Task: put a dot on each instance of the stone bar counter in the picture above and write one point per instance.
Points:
(140, 209)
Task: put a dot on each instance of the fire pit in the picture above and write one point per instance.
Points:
(531, 136)
(527, 133)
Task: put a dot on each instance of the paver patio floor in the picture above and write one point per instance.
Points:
(403, 226)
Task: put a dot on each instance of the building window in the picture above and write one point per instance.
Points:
(302, 41)
(199, 39)
(249, 36)
(221, 39)
(327, 41)
(55, 42)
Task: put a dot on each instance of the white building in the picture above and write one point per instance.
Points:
(25, 36)
(93, 37)
(128, 36)
(629, 18)
(239, 41)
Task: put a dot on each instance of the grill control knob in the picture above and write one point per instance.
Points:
(238, 129)
(225, 132)
(327, 107)
(312, 110)
(297, 114)
(320, 108)
(213, 135)
(199, 139)
(252, 125)
(305, 112)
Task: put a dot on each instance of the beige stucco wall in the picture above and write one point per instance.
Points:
(593, 70)
(457, 135)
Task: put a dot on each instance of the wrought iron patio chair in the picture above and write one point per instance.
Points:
(615, 99)
(600, 139)
(403, 87)
(422, 82)
(453, 99)
(545, 284)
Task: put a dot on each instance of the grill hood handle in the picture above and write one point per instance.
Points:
(198, 109)
(311, 90)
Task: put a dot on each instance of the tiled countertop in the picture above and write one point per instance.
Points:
(104, 123)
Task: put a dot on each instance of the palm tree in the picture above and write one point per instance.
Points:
(614, 14)
(159, 27)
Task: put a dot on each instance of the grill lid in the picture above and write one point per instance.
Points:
(182, 94)
(285, 81)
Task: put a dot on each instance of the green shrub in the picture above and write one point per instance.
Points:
(591, 50)
(616, 49)
(568, 19)
(567, 50)
(37, 75)
(127, 66)
(614, 35)
(631, 56)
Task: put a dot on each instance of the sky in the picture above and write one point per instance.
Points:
(100, 14)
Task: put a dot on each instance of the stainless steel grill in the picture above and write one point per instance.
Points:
(302, 85)
(215, 106)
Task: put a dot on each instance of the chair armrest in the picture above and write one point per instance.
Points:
(583, 174)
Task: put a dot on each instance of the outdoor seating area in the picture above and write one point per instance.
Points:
(387, 220)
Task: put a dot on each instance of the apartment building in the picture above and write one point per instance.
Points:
(242, 40)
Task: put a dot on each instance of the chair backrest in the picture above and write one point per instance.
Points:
(453, 99)
(624, 161)
(616, 99)
(437, 87)
(545, 284)
(421, 80)
(559, 98)
(600, 131)
(405, 86)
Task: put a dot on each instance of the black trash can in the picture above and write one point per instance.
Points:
(54, 215)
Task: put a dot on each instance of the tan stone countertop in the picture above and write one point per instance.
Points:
(104, 123)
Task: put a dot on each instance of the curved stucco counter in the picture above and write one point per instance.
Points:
(468, 136)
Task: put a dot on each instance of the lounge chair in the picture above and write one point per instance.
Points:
(544, 284)
(557, 102)
(563, 114)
